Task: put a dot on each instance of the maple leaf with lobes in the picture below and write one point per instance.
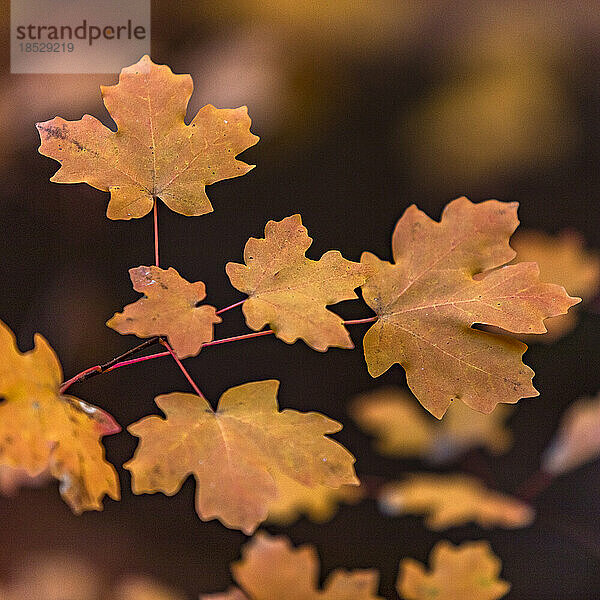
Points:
(42, 429)
(271, 569)
(289, 291)
(446, 277)
(171, 307)
(236, 452)
(469, 571)
(153, 154)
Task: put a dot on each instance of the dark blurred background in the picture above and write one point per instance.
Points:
(363, 108)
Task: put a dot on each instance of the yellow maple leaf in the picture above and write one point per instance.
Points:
(42, 429)
(271, 569)
(402, 428)
(453, 499)
(153, 154)
(446, 277)
(170, 307)
(469, 571)
(289, 292)
(236, 452)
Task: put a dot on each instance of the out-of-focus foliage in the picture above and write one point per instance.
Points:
(446, 277)
(577, 440)
(453, 500)
(271, 568)
(403, 429)
(236, 452)
(502, 104)
(171, 307)
(41, 429)
(318, 503)
(562, 259)
(153, 154)
(470, 570)
(69, 577)
(289, 292)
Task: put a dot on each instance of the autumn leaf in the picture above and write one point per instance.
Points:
(470, 571)
(399, 424)
(447, 277)
(271, 569)
(170, 307)
(561, 259)
(319, 503)
(289, 292)
(14, 478)
(153, 154)
(453, 499)
(237, 452)
(42, 429)
(402, 428)
(577, 440)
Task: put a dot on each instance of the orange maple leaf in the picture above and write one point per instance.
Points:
(447, 277)
(470, 571)
(272, 569)
(170, 307)
(236, 452)
(153, 154)
(450, 500)
(402, 427)
(289, 292)
(42, 429)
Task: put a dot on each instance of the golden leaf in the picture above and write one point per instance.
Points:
(42, 429)
(289, 292)
(153, 154)
(403, 429)
(271, 569)
(447, 277)
(236, 452)
(452, 500)
(469, 571)
(170, 307)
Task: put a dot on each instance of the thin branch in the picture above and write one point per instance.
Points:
(133, 361)
(236, 338)
(118, 362)
(107, 366)
(183, 369)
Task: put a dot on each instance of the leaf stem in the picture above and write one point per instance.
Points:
(183, 369)
(230, 307)
(360, 321)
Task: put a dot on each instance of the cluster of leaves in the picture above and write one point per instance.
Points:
(250, 460)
